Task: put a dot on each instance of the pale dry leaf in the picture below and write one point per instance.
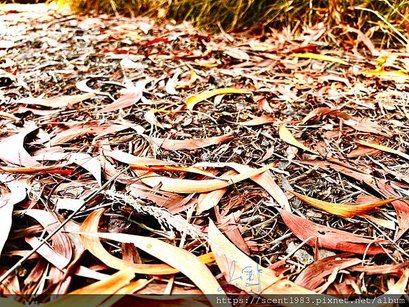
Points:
(238, 54)
(17, 194)
(190, 144)
(129, 97)
(57, 102)
(243, 272)
(12, 149)
(91, 164)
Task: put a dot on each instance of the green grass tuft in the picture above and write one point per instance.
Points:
(388, 18)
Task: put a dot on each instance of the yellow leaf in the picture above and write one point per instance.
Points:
(184, 261)
(384, 148)
(193, 100)
(99, 289)
(198, 186)
(342, 210)
(287, 137)
(94, 246)
(129, 289)
(319, 57)
(395, 75)
(193, 78)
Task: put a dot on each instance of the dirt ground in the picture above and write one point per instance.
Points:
(127, 124)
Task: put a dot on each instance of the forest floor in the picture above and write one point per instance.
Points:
(248, 163)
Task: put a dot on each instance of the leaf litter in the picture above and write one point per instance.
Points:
(107, 140)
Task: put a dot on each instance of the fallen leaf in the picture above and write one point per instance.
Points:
(385, 269)
(188, 83)
(237, 53)
(127, 99)
(127, 158)
(194, 99)
(95, 247)
(342, 210)
(265, 180)
(319, 57)
(314, 275)
(12, 149)
(94, 294)
(256, 121)
(394, 75)
(56, 102)
(243, 272)
(198, 186)
(17, 194)
(80, 129)
(91, 164)
(8, 116)
(287, 137)
(329, 238)
(52, 169)
(176, 257)
(190, 144)
(48, 253)
(378, 184)
(150, 117)
(209, 200)
(171, 168)
(384, 148)
(359, 124)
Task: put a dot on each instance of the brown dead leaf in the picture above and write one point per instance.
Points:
(313, 276)
(91, 164)
(80, 129)
(265, 180)
(237, 53)
(256, 121)
(359, 124)
(329, 238)
(385, 269)
(94, 294)
(171, 168)
(52, 169)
